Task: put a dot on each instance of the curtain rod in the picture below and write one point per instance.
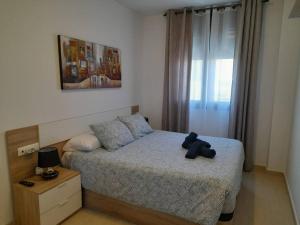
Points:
(211, 7)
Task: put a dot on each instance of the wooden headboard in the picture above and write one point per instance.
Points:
(24, 166)
(135, 109)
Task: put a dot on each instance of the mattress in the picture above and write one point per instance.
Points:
(152, 172)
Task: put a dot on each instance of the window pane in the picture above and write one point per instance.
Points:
(196, 80)
(223, 80)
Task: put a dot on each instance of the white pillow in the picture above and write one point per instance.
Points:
(83, 142)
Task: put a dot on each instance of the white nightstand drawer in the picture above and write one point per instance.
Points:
(51, 198)
(62, 210)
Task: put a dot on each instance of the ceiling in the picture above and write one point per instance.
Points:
(151, 7)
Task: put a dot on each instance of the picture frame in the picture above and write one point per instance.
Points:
(88, 65)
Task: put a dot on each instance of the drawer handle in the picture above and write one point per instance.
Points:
(63, 203)
(62, 185)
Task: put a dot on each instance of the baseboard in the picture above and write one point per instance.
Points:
(291, 199)
(265, 169)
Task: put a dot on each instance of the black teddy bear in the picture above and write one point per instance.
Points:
(197, 147)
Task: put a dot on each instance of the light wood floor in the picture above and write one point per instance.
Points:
(263, 200)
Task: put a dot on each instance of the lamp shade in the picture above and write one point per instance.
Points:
(48, 157)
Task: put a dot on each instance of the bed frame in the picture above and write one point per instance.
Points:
(23, 167)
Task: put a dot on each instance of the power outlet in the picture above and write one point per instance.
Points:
(28, 149)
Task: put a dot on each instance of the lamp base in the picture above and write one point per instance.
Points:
(50, 174)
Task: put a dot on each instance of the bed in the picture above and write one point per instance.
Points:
(153, 173)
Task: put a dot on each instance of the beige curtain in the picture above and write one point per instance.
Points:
(244, 87)
(177, 71)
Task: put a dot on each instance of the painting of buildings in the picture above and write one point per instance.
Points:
(85, 65)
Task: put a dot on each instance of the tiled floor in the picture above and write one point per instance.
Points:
(263, 200)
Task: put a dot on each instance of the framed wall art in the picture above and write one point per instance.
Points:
(85, 65)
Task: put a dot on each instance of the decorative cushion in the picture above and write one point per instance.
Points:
(137, 125)
(113, 134)
(83, 142)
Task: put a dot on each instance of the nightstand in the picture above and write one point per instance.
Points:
(48, 202)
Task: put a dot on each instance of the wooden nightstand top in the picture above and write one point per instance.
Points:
(41, 185)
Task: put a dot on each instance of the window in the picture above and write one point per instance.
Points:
(196, 80)
(213, 48)
(223, 80)
(216, 86)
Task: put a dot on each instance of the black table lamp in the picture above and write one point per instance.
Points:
(48, 158)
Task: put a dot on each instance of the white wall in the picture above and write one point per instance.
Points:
(271, 28)
(285, 90)
(152, 68)
(29, 88)
(293, 167)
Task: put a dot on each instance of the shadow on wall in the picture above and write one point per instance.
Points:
(296, 10)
